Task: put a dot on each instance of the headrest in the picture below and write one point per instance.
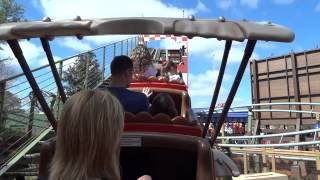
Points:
(143, 117)
(162, 118)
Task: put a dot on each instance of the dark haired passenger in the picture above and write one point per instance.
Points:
(163, 103)
(121, 76)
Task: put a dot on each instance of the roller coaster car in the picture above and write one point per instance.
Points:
(162, 147)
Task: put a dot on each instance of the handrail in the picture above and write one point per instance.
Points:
(270, 145)
(59, 61)
(283, 110)
(267, 104)
(15, 158)
(270, 135)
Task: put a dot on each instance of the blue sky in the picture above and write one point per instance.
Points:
(204, 58)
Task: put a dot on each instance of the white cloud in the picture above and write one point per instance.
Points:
(74, 43)
(202, 7)
(317, 9)
(61, 9)
(250, 3)
(30, 51)
(214, 48)
(224, 4)
(68, 63)
(200, 104)
(169, 44)
(101, 40)
(203, 84)
(283, 2)
(44, 60)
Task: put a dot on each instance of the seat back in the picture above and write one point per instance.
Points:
(161, 118)
(166, 156)
(145, 122)
(129, 117)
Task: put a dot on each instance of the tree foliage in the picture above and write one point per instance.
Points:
(11, 102)
(10, 11)
(75, 76)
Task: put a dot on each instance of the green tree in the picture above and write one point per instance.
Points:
(82, 75)
(10, 11)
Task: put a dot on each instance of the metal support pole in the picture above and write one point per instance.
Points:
(46, 48)
(121, 49)
(245, 163)
(58, 97)
(218, 85)
(131, 44)
(247, 54)
(103, 63)
(249, 126)
(87, 73)
(127, 47)
(15, 47)
(2, 96)
(31, 112)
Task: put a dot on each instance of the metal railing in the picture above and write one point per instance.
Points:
(21, 117)
(252, 141)
(276, 160)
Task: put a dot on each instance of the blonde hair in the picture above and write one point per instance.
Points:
(88, 137)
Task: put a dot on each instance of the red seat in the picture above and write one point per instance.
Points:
(129, 117)
(162, 118)
(143, 117)
(163, 128)
(182, 120)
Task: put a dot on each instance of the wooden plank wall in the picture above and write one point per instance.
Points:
(290, 78)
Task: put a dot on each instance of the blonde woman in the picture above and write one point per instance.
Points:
(88, 138)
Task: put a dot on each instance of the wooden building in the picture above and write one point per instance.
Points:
(294, 77)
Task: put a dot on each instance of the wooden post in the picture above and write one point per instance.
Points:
(255, 94)
(257, 163)
(318, 163)
(264, 161)
(103, 63)
(296, 95)
(2, 96)
(273, 163)
(245, 163)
